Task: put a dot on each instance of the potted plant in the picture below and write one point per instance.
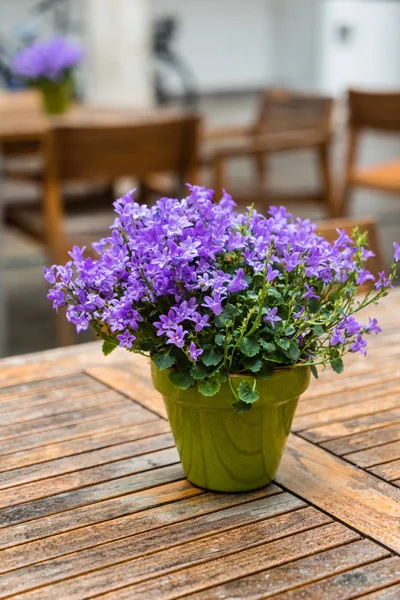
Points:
(234, 311)
(48, 66)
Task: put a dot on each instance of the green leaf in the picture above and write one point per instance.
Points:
(266, 371)
(314, 305)
(253, 364)
(337, 365)
(283, 343)
(226, 317)
(220, 339)
(290, 330)
(273, 293)
(314, 371)
(209, 387)
(318, 330)
(163, 360)
(198, 371)
(108, 347)
(268, 346)
(246, 393)
(241, 406)
(211, 358)
(249, 346)
(221, 377)
(181, 379)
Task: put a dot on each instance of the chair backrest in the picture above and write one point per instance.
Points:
(24, 101)
(379, 111)
(365, 224)
(282, 111)
(114, 148)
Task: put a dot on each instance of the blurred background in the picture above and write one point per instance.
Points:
(269, 82)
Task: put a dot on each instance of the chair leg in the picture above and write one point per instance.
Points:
(219, 176)
(344, 201)
(65, 332)
(329, 199)
(261, 169)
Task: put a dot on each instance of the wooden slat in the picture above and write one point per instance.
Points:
(104, 419)
(132, 515)
(236, 565)
(138, 388)
(352, 426)
(369, 439)
(345, 413)
(389, 471)
(27, 463)
(45, 423)
(57, 407)
(133, 497)
(26, 394)
(388, 593)
(55, 468)
(355, 497)
(40, 498)
(375, 456)
(350, 584)
(305, 570)
(174, 545)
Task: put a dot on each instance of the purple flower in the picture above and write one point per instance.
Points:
(382, 282)
(177, 337)
(50, 59)
(396, 251)
(309, 293)
(359, 345)
(271, 317)
(126, 339)
(372, 326)
(194, 352)
(170, 321)
(363, 276)
(271, 273)
(213, 303)
(351, 326)
(338, 337)
(238, 283)
(200, 321)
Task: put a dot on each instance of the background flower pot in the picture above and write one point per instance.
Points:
(227, 451)
(56, 96)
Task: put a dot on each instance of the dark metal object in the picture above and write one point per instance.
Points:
(163, 37)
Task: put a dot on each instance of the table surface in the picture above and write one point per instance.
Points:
(94, 503)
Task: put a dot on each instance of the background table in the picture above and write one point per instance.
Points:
(94, 503)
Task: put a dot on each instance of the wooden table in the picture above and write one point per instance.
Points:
(94, 503)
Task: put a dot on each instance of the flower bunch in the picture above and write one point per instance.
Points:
(50, 60)
(208, 292)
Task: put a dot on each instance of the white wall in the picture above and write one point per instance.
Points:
(228, 44)
(371, 56)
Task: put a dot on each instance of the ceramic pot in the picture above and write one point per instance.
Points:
(224, 450)
(56, 96)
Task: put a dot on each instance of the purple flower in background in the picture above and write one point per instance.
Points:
(363, 276)
(271, 273)
(372, 326)
(177, 337)
(359, 345)
(309, 293)
(338, 337)
(48, 59)
(238, 283)
(194, 352)
(271, 317)
(396, 251)
(213, 303)
(382, 282)
(200, 321)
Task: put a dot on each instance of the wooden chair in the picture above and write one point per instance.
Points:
(328, 229)
(286, 121)
(105, 151)
(379, 112)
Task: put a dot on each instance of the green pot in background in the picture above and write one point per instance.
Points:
(226, 451)
(56, 96)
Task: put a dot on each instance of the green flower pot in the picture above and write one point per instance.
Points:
(56, 97)
(226, 451)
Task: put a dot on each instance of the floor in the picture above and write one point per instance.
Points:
(31, 323)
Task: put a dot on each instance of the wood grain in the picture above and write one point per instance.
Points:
(376, 455)
(175, 546)
(355, 497)
(269, 582)
(372, 438)
(350, 584)
(231, 567)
